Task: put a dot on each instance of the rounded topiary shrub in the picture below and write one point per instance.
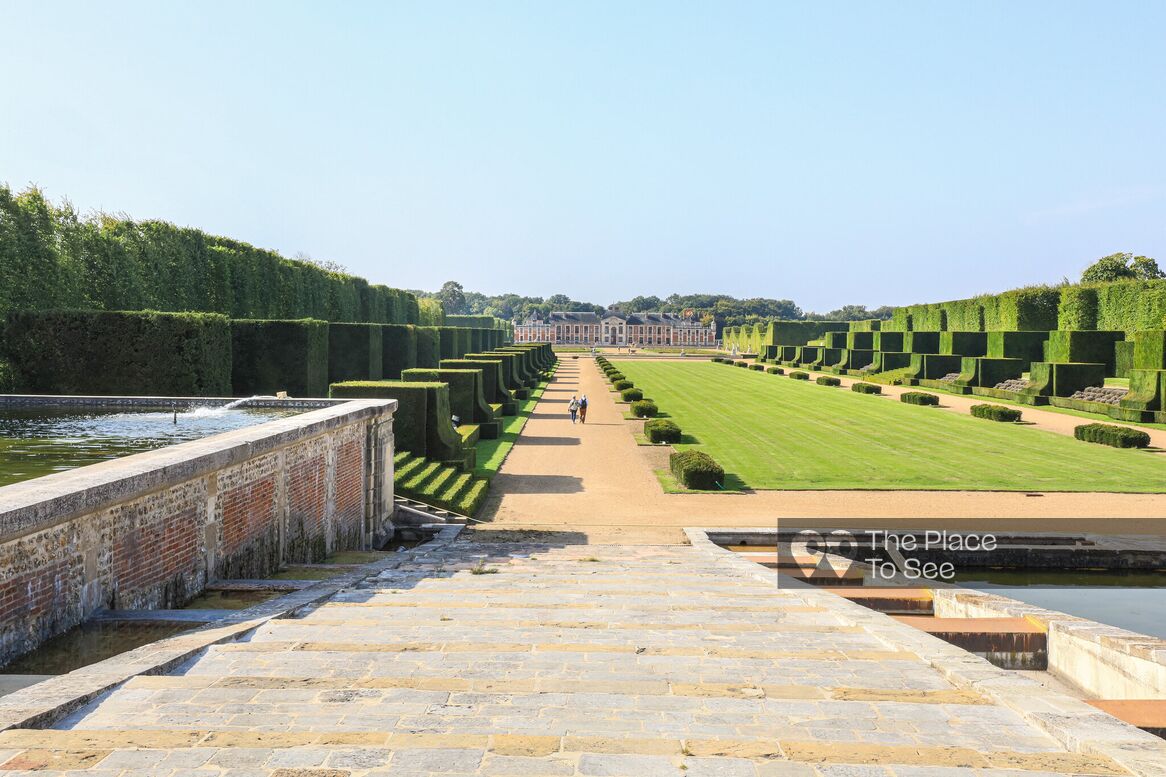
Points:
(919, 398)
(758, 367)
(866, 388)
(644, 408)
(741, 364)
(615, 376)
(827, 380)
(631, 395)
(775, 370)
(620, 385)
(696, 469)
(661, 430)
(997, 413)
(797, 375)
(1115, 436)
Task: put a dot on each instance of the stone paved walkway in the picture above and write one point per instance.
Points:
(518, 659)
(594, 479)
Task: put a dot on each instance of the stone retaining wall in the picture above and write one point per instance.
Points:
(150, 530)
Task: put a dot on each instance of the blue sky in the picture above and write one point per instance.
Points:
(828, 152)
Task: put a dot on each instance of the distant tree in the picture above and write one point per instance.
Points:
(453, 298)
(323, 264)
(1122, 266)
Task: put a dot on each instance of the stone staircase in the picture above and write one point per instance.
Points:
(440, 485)
(521, 659)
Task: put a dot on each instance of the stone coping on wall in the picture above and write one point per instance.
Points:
(1076, 724)
(42, 704)
(36, 504)
(158, 403)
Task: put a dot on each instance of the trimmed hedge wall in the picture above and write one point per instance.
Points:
(398, 349)
(466, 398)
(107, 352)
(982, 371)
(1149, 350)
(1064, 380)
(931, 366)
(919, 398)
(1077, 308)
(836, 339)
(428, 346)
(354, 352)
(827, 380)
(696, 470)
(493, 381)
(271, 356)
(921, 342)
(1029, 347)
(887, 341)
(1114, 436)
(996, 413)
(1127, 306)
(1123, 358)
(963, 343)
(644, 408)
(861, 341)
(661, 430)
(1065, 346)
(798, 332)
(1146, 387)
(422, 422)
(51, 259)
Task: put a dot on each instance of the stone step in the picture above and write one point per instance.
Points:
(306, 753)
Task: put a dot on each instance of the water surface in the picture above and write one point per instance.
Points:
(41, 441)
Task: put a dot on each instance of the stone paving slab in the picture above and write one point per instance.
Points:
(671, 661)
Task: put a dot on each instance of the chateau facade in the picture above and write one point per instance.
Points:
(616, 328)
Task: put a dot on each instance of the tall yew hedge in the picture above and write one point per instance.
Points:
(52, 259)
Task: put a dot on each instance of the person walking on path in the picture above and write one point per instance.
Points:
(573, 408)
(583, 409)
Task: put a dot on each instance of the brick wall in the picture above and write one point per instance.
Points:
(150, 530)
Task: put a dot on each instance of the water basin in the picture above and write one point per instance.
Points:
(36, 441)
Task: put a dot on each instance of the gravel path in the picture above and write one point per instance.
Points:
(594, 479)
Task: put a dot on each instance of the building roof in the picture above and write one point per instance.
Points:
(635, 319)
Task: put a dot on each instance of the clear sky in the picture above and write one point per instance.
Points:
(827, 152)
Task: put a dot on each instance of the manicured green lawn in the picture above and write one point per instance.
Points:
(772, 432)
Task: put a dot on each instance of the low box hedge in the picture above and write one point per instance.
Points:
(919, 398)
(644, 408)
(631, 394)
(866, 388)
(827, 380)
(696, 470)
(620, 385)
(661, 430)
(1114, 436)
(757, 367)
(775, 370)
(797, 375)
(740, 364)
(615, 377)
(996, 413)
